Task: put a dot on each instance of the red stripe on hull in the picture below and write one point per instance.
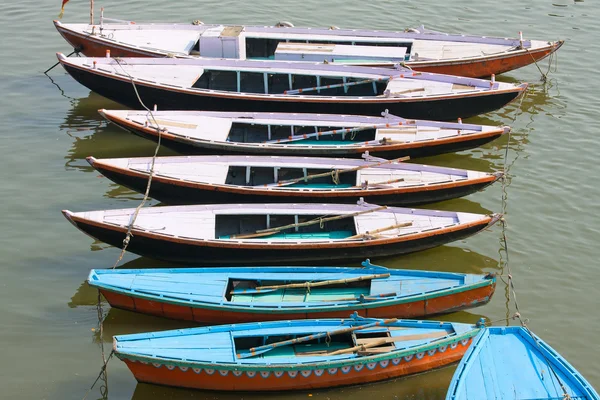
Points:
(485, 68)
(273, 380)
(416, 309)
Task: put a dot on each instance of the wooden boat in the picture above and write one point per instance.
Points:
(513, 363)
(292, 355)
(246, 294)
(421, 49)
(261, 234)
(239, 85)
(214, 132)
(260, 179)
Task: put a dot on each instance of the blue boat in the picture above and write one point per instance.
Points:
(247, 294)
(513, 363)
(293, 355)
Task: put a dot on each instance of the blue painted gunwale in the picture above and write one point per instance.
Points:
(465, 282)
(467, 374)
(458, 334)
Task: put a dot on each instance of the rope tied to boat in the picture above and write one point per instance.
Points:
(335, 177)
(159, 130)
(550, 58)
(102, 372)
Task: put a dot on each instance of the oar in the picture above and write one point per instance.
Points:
(263, 349)
(337, 172)
(362, 298)
(324, 283)
(387, 228)
(337, 85)
(342, 131)
(366, 184)
(270, 231)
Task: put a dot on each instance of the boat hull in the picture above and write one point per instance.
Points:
(480, 67)
(174, 191)
(121, 90)
(209, 253)
(413, 150)
(202, 314)
(273, 379)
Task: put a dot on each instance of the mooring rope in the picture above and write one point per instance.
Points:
(128, 235)
(102, 372)
(76, 50)
(550, 58)
(104, 388)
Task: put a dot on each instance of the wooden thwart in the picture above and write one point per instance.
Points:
(270, 231)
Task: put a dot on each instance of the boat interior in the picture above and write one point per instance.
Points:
(279, 82)
(231, 226)
(245, 291)
(376, 340)
(260, 176)
(246, 132)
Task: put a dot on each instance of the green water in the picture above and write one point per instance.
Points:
(49, 340)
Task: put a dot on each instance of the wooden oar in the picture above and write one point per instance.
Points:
(337, 85)
(270, 231)
(366, 184)
(380, 342)
(262, 349)
(337, 171)
(376, 231)
(406, 91)
(366, 298)
(324, 283)
(342, 131)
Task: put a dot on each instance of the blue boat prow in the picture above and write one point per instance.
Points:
(508, 363)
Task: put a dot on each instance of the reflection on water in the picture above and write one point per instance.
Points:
(94, 136)
(122, 322)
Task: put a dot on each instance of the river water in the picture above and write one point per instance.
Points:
(50, 344)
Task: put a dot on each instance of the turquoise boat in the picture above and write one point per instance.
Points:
(247, 294)
(293, 355)
(513, 363)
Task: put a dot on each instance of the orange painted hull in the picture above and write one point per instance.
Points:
(272, 379)
(487, 67)
(417, 309)
(474, 68)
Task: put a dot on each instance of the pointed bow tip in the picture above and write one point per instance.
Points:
(91, 160)
(495, 217)
(60, 56)
(68, 215)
